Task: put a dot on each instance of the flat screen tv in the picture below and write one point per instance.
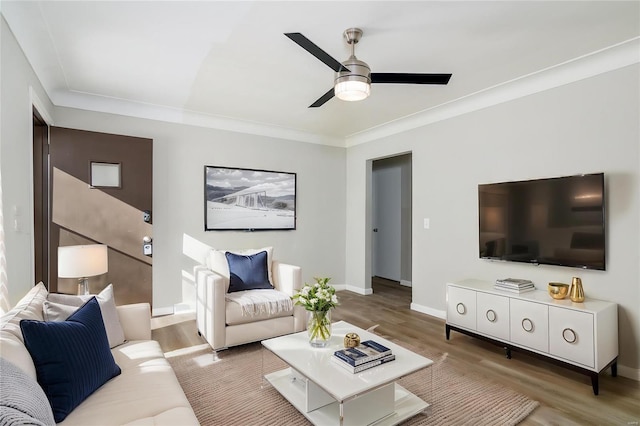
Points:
(555, 221)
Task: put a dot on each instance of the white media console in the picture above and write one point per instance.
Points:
(580, 336)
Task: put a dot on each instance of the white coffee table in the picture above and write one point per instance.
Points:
(327, 394)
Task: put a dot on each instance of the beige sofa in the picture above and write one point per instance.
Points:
(146, 392)
(224, 324)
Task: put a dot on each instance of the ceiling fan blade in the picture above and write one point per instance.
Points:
(324, 98)
(406, 78)
(310, 47)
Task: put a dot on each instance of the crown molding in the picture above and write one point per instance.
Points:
(611, 58)
(608, 59)
(117, 106)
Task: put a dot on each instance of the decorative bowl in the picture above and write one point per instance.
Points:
(558, 290)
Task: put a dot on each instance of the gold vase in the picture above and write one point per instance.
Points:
(576, 294)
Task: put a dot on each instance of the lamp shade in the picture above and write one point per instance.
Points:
(82, 261)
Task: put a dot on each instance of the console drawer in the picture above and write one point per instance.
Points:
(571, 335)
(492, 315)
(529, 324)
(461, 307)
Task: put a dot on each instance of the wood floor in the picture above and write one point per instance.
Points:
(565, 397)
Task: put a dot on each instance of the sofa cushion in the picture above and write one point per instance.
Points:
(171, 417)
(58, 307)
(11, 343)
(72, 357)
(217, 261)
(22, 400)
(248, 272)
(147, 392)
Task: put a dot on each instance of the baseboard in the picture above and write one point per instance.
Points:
(429, 311)
(629, 373)
(158, 312)
(358, 290)
(180, 308)
(405, 283)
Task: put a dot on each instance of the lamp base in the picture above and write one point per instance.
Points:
(83, 286)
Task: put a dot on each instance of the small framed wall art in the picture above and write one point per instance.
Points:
(248, 199)
(105, 175)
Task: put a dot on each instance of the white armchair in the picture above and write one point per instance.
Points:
(222, 322)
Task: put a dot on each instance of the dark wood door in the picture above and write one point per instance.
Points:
(82, 213)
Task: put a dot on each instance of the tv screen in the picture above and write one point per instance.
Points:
(556, 221)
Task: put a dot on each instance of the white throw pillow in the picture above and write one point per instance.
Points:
(29, 307)
(11, 341)
(217, 261)
(58, 307)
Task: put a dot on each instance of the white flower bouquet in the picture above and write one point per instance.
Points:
(318, 299)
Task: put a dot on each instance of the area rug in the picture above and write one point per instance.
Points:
(228, 390)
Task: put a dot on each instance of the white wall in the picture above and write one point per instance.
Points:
(180, 153)
(588, 126)
(19, 89)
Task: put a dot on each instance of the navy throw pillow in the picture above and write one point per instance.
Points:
(248, 272)
(72, 357)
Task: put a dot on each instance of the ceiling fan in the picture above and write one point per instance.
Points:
(354, 77)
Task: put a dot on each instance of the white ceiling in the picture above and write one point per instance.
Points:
(229, 61)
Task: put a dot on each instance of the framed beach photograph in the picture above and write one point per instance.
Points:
(248, 200)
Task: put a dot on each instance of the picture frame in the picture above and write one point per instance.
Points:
(239, 199)
(105, 175)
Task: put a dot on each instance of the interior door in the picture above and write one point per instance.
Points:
(102, 194)
(387, 221)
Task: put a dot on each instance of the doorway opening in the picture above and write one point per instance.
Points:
(41, 199)
(391, 196)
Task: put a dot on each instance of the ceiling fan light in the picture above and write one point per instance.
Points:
(352, 90)
(354, 84)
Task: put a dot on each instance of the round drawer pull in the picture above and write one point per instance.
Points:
(491, 315)
(461, 309)
(569, 335)
(527, 325)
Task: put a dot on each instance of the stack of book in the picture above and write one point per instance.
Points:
(367, 355)
(514, 285)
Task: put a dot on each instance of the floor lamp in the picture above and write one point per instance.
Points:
(82, 262)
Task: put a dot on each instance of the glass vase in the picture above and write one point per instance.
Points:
(319, 328)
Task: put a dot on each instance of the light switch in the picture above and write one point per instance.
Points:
(426, 223)
(17, 218)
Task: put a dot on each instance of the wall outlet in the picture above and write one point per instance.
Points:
(426, 223)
